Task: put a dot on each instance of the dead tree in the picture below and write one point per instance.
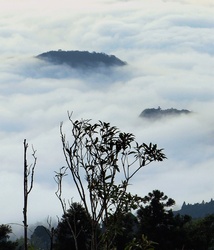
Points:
(50, 231)
(58, 178)
(28, 185)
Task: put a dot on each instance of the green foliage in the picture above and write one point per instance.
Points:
(142, 243)
(5, 230)
(200, 233)
(32, 248)
(5, 244)
(125, 229)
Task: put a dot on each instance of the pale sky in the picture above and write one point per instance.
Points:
(168, 46)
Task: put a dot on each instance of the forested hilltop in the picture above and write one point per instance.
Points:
(154, 113)
(77, 58)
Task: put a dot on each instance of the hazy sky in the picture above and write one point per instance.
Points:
(169, 48)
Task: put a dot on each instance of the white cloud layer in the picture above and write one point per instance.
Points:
(169, 49)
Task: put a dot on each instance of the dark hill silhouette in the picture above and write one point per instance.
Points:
(153, 113)
(77, 59)
(41, 238)
(197, 210)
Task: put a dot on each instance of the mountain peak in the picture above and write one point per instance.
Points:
(75, 58)
(153, 113)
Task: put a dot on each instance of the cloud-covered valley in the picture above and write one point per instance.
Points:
(168, 46)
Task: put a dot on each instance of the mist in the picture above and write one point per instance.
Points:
(168, 47)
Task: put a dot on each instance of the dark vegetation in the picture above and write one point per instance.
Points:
(81, 59)
(152, 226)
(5, 244)
(153, 113)
(102, 161)
(40, 239)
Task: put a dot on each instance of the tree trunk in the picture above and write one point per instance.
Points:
(25, 196)
(27, 171)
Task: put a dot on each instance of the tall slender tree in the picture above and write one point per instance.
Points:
(28, 185)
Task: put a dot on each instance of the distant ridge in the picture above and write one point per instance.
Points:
(77, 58)
(153, 113)
(197, 210)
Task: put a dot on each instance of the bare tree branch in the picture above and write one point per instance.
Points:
(28, 171)
(58, 179)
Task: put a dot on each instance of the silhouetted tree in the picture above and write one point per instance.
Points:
(81, 226)
(97, 154)
(200, 233)
(156, 218)
(28, 185)
(40, 239)
(51, 232)
(178, 236)
(127, 228)
(5, 244)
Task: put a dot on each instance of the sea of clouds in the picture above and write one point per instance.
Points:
(168, 46)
